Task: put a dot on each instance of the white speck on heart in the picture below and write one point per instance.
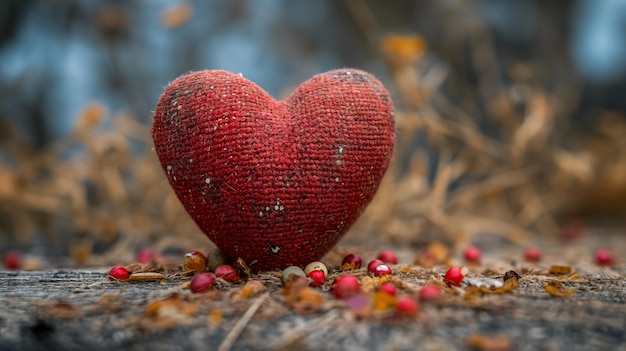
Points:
(337, 180)
(207, 180)
(260, 213)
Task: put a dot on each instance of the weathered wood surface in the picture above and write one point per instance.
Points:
(82, 310)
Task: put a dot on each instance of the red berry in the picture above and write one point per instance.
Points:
(429, 292)
(604, 257)
(226, 272)
(119, 273)
(317, 278)
(371, 267)
(202, 282)
(144, 256)
(407, 307)
(12, 260)
(532, 254)
(351, 261)
(382, 269)
(346, 286)
(454, 276)
(388, 256)
(572, 230)
(472, 254)
(195, 262)
(389, 289)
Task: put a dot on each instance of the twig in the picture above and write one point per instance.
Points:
(241, 324)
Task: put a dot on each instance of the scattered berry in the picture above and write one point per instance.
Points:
(532, 254)
(429, 293)
(145, 255)
(389, 289)
(572, 230)
(292, 270)
(12, 260)
(604, 257)
(371, 267)
(454, 276)
(317, 277)
(215, 258)
(407, 307)
(388, 256)
(119, 273)
(472, 254)
(346, 286)
(202, 282)
(226, 272)
(350, 262)
(195, 262)
(382, 269)
(316, 266)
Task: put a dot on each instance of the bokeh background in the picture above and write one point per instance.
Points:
(510, 113)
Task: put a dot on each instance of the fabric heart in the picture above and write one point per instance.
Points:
(276, 183)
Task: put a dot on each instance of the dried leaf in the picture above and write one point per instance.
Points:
(302, 299)
(241, 266)
(177, 15)
(404, 48)
(555, 288)
(488, 343)
(560, 270)
(436, 253)
(251, 288)
(384, 301)
(215, 318)
(89, 118)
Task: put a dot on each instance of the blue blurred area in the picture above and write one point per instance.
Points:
(58, 56)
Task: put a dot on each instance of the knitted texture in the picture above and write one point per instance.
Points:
(276, 183)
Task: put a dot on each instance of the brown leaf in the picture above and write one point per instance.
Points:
(241, 266)
(560, 270)
(177, 15)
(436, 253)
(384, 301)
(251, 288)
(556, 289)
(488, 343)
(301, 298)
(215, 318)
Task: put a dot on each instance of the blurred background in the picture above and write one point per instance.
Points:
(510, 114)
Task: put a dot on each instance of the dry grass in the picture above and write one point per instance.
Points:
(450, 175)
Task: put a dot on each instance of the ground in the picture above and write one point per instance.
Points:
(77, 309)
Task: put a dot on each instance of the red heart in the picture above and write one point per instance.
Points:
(276, 183)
